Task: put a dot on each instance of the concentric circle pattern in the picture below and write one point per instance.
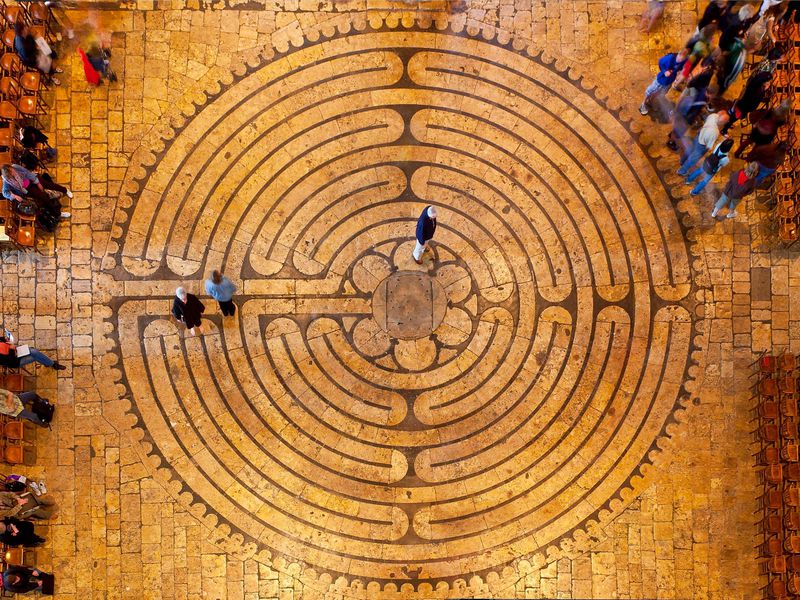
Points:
(326, 422)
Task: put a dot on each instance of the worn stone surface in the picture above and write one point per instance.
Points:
(577, 424)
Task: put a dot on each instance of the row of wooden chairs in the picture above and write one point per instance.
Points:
(778, 461)
(785, 215)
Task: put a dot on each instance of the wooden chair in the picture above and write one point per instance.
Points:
(791, 520)
(788, 387)
(776, 590)
(792, 544)
(792, 472)
(8, 111)
(768, 411)
(767, 388)
(775, 565)
(787, 362)
(794, 584)
(13, 454)
(32, 81)
(790, 453)
(767, 364)
(788, 406)
(769, 433)
(791, 497)
(789, 429)
(770, 524)
(770, 547)
(771, 474)
(771, 499)
(768, 455)
(26, 232)
(11, 64)
(14, 430)
(8, 39)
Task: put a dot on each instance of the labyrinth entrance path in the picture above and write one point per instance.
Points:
(554, 404)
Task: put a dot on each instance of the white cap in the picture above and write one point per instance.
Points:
(432, 212)
(180, 293)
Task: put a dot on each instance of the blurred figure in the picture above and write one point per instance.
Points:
(651, 14)
(705, 139)
(713, 163)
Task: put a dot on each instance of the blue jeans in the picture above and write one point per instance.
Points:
(703, 182)
(763, 173)
(36, 356)
(697, 152)
(731, 203)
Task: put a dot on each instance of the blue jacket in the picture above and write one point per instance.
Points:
(222, 291)
(9, 189)
(669, 62)
(425, 226)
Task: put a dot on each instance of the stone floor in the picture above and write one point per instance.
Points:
(554, 405)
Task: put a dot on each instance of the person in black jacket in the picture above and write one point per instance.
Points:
(14, 532)
(426, 226)
(21, 580)
(188, 309)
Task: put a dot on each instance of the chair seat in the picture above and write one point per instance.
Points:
(27, 105)
(8, 111)
(31, 81)
(10, 63)
(13, 14)
(8, 38)
(38, 11)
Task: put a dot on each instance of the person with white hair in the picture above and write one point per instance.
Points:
(426, 226)
(188, 309)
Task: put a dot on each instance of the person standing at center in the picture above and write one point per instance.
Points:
(221, 289)
(426, 226)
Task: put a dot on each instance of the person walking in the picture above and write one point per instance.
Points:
(741, 183)
(221, 289)
(669, 66)
(426, 227)
(711, 166)
(705, 139)
(188, 309)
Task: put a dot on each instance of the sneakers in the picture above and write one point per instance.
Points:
(643, 110)
(672, 145)
(714, 212)
(66, 215)
(58, 366)
(69, 193)
(416, 260)
(694, 193)
(58, 70)
(732, 215)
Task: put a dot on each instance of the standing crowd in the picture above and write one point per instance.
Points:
(701, 75)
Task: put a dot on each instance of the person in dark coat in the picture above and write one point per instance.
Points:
(769, 157)
(426, 226)
(188, 309)
(14, 532)
(766, 123)
(755, 92)
(741, 183)
(21, 580)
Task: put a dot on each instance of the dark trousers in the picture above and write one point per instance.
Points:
(227, 307)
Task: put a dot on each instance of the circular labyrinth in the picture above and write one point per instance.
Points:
(367, 416)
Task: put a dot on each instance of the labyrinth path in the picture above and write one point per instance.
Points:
(366, 416)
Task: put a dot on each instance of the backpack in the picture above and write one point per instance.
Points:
(711, 163)
(43, 409)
